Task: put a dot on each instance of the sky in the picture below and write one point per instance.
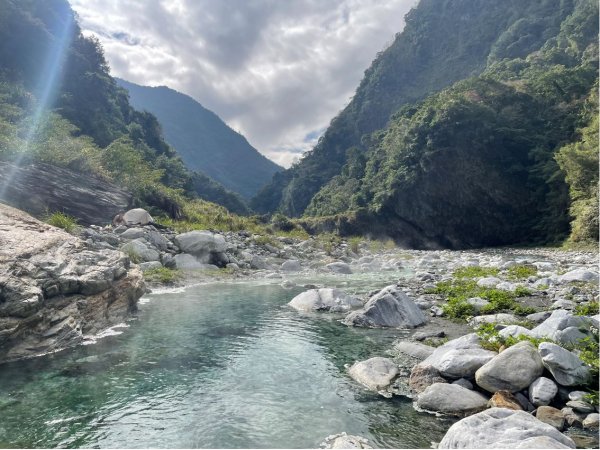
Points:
(277, 71)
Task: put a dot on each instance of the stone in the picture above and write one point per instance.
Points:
(591, 422)
(500, 318)
(292, 265)
(580, 406)
(132, 233)
(183, 261)
(514, 331)
(581, 274)
(422, 335)
(505, 399)
(423, 376)
(542, 391)
(460, 358)
(451, 399)
(207, 247)
(538, 317)
(464, 383)
(565, 366)
(584, 440)
(150, 265)
(388, 308)
(576, 395)
(325, 299)
(488, 282)
(558, 322)
(344, 440)
(573, 418)
(55, 289)
(137, 216)
(375, 373)
(414, 349)
(477, 303)
(339, 267)
(259, 263)
(136, 249)
(512, 370)
(157, 240)
(564, 304)
(504, 428)
(551, 416)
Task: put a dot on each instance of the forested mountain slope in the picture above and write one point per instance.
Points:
(203, 140)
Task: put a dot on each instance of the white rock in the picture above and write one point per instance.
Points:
(375, 373)
(542, 391)
(184, 261)
(414, 349)
(137, 216)
(488, 282)
(566, 367)
(501, 318)
(581, 274)
(138, 249)
(344, 440)
(558, 321)
(477, 303)
(325, 299)
(504, 428)
(514, 331)
(451, 399)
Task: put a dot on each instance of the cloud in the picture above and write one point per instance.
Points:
(277, 71)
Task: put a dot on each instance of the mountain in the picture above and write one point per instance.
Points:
(451, 137)
(203, 140)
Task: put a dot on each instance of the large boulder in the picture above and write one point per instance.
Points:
(375, 373)
(137, 216)
(504, 428)
(451, 399)
(325, 299)
(562, 326)
(54, 290)
(139, 251)
(183, 261)
(207, 247)
(512, 370)
(422, 376)
(581, 274)
(459, 358)
(388, 308)
(565, 366)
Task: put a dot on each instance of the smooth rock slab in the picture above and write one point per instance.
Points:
(388, 308)
(504, 428)
(542, 391)
(325, 299)
(451, 399)
(375, 373)
(565, 366)
(512, 370)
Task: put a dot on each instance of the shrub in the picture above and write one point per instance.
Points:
(521, 272)
(61, 220)
(587, 309)
(163, 275)
(475, 272)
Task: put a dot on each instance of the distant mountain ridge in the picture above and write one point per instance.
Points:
(203, 140)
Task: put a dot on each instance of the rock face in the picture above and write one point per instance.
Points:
(451, 399)
(459, 358)
(388, 308)
(54, 290)
(566, 367)
(504, 428)
(375, 373)
(512, 370)
(39, 188)
(325, 299)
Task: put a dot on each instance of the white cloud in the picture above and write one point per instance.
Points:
(275, 70)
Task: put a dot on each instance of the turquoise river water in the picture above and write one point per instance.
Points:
(222, 365)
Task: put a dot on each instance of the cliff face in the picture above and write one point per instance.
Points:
(54, 290)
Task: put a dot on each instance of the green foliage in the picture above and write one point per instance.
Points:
(267, 240)
(491, 339)
(163, 275)
(521, 272)
(587, 309)
(355, 242)
(475, 272)
(61, 220)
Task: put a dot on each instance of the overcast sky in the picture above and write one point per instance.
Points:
(276, 70)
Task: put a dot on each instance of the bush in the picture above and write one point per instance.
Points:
(163, 275)
(587, 309)
(521, 272)
(61, 220)
(475, 272)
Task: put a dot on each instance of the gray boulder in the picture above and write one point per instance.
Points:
(504, 428)
(375, 373)
(150, 265)
(325, 299)
(132, 233)
(207, 247)
(137, 216)
(512, 370)
(459, 358)
(488, 282)
(581, 274)
(542, 391)
(500, 318)
(183, 261)
(451, 399)
(339, 267)
(514, 331)
(414, 349)
(137, 249)
(565, 366)
(292, 265)
(388, 308)
(562, 326)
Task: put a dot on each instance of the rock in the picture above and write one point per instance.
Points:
(259, 263)
(551, 416)
(477, 303)
(54, 289)
(591, 422)
(488, 282)
(464, 383)
(422, 335)
(538, 317)
(150, 265)
(137, 216)
(292, 265)
(287, 284)
(566, 367)
(414, 349)
(579, 406)
(375, 373)
(157, 240)
(207, 247)
(183, 261)
(233, 267)
(514, 331)
(579, 275)
(451, 399)
(524, 402)
(542, 391)
(500, 318)
(564, 304)
(459, 358)
(504, 428)
(39, 188)
(576, 395)
(505, 399)
(136, 249)
(325, 299)
(344, 440)
(584, 440)
(339, 267)
(512, 370)
(573, 418)
(388, 308)
(423, 376)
